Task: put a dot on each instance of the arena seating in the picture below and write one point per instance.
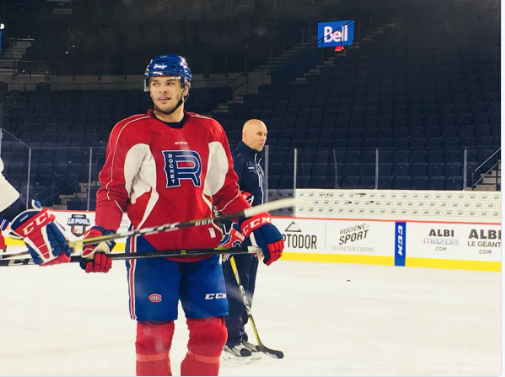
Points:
(61, 127)
(420, 102)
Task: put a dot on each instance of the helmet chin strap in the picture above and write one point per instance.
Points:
(181, 101)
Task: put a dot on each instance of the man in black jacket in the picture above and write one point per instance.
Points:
(251, 179)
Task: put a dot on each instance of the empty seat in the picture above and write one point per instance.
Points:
(481, 118)
(432, 132)
(436, 183)
(400, 121)
(401, 169)
(418, 156)
(463, 119)
(385, 155)
(465, 131)
(483, 130)
(416, 132)
(386, 169)
(418, 143)
(367, 182)
(484, 142)
(453, 169)
(369, 144)
(484, 157)
(435, 156)
(352, 156)
(401, 183)
(367, 168)
(320, 169)
(385, 182)
(350, 182)
(467, 142)
(447, 120)
(452, 156)
(401, 156)
(419, 183)
(401, 143)
(454, 183)
(286, 182)
(401, 132)
(451, 143)
(354, 144)
(450, 131)
(351, 168)
(436, 169)
(303, 181)
(434, 143)
(419, 169)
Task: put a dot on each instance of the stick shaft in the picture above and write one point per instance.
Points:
(244, 299)
(260, 347)
(248, 212)
(146, 254)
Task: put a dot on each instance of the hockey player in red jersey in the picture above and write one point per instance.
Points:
(166, 166)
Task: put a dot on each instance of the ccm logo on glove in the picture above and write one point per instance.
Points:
(45, 238)
(255, 223)
(265, 235)
(44, 217)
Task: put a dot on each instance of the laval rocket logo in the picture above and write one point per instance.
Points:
(78, 224)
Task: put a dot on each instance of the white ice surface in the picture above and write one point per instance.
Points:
(329, 319)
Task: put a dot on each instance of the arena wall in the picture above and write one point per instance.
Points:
(436, 229)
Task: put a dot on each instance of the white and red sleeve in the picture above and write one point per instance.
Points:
(8, 193)
(116, 176)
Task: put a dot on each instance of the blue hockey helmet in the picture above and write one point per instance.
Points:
(168, 65)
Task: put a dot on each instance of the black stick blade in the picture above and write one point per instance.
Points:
(270, 352)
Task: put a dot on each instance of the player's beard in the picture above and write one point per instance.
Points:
(168, 112)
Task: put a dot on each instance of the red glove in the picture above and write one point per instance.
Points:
(95, 256)
(264, 234)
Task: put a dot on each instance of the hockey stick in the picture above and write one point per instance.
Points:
(11, 254)
(260, 347)
(12, 262)
(248, 212)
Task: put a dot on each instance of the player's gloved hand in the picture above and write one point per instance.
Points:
(233, 237)
(95, 257)
(44, 237)
(265, 235)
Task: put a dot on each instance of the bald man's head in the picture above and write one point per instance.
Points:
(254, 134)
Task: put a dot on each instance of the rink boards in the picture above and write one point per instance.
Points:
(384, 242)
(438, 229)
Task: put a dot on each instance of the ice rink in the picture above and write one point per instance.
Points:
(329, 319)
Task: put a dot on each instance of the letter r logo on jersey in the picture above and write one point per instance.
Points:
(182, 165)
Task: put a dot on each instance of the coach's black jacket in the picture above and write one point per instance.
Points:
(251, 177)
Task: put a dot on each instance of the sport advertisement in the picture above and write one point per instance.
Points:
(361, 237)
(336, 236)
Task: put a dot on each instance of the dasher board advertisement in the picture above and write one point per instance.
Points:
(478, 242)
(363, 238)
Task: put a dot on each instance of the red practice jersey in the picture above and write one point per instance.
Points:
(161, 175)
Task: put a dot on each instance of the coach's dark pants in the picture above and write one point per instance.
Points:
(247, 266)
